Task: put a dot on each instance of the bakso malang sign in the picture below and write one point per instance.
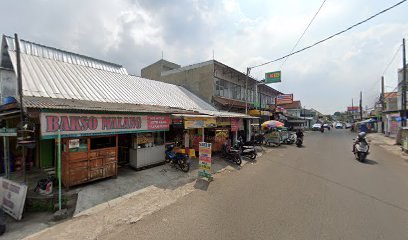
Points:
(98, 124)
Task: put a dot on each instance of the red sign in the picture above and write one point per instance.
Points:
(158, 122)
(234, 124)
(75, 124)
(353, 109)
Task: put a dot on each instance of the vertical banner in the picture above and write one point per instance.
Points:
(205, 160)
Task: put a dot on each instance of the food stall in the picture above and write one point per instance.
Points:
(90, 142)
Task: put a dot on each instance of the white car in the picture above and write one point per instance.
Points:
(348, 125)
(339, 125)
(316, 126)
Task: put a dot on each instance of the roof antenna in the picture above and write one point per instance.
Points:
(162, 54)
(213, 54)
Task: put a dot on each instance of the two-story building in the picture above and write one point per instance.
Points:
(391, 114)
(216, 83)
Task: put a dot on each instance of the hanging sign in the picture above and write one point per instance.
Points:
(12, 197)
(284, 99)
(205, 160)
(273, 77)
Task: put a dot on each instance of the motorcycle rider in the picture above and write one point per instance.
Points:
(360, 138)
(299, 133)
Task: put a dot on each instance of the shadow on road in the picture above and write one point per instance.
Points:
(370, 162)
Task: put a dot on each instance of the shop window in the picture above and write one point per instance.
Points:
(103, 142)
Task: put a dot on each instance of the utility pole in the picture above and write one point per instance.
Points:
(361, 105)
(246, 90)
(382, 104)
(352, 110)
(20, 92)
(404, 86)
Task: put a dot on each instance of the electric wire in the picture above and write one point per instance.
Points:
(301, 36)
(331, 36)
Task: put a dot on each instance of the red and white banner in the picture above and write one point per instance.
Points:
(75, 124)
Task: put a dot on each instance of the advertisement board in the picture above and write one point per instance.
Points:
(12, 197)
(205, 160)
(273, 77)
(284, 99)
(73, 124)
(353, 109)
(199, 122)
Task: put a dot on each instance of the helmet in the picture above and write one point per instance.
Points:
(362, 135)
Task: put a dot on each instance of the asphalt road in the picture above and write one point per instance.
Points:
(315, 192)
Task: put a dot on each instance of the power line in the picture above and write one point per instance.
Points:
(336, 34)
(392, 60)
(300, 38)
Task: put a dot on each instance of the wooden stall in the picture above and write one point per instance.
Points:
(87, 159)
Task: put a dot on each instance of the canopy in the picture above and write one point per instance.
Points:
(367, 121)
(272, 124)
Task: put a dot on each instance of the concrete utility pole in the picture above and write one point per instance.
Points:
(246, 90)
(361, 105)
(352, 111)
(382, 104)
(404, 86)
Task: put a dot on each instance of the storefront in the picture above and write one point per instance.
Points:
(90, 142)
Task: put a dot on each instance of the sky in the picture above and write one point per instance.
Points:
(135, 33)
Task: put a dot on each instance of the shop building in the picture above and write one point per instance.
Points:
(224, 87)
(103, 115)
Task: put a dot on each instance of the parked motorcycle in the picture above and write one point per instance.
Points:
(180, 159)
(322, 129)
(291, 139)
(245, 149)
(299, 141)
(361, 147)
(231, 154)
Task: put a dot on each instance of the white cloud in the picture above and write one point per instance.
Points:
(242, 34)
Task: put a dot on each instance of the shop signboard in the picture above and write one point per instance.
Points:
(353, 109)
(75, 125)
(205, 160)
(12, 197)
(199, 122)
(273, 77)
(284, 99)
(8, 132)
(223, 122)
(234, 124)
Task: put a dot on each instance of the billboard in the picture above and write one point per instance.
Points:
(284, 99)
(353, 109)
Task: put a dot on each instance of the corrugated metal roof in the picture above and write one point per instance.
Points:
(74, 104)
(48, 78)
(42, 51)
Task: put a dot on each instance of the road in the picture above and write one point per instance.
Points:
(315, 192)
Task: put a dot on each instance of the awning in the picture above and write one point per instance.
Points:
(9, 114)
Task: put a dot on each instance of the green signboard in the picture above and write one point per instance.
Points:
(273, 77)
(8, 132)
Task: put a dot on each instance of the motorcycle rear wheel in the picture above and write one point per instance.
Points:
(184, 166)
(238, 160)
(253, 155)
